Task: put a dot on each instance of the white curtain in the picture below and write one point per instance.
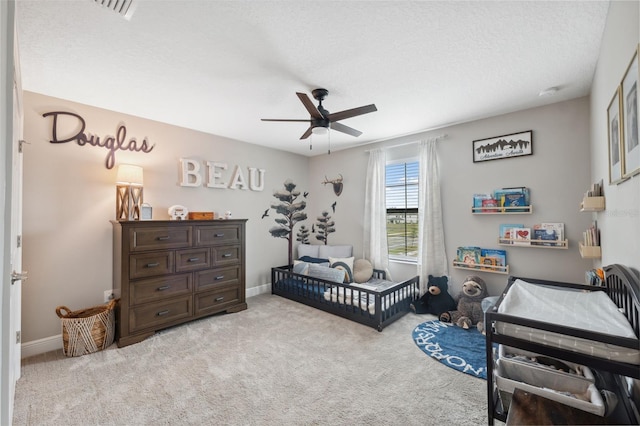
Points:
(432, 257)
(375, 213)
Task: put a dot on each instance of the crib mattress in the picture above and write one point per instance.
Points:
(591, 311)
(366, 300)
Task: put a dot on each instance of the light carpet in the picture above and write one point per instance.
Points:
(277, 363)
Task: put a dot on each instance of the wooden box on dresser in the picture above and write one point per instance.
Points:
(170, 272)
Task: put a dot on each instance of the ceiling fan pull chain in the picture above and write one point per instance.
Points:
(310, 142)
(329, 137)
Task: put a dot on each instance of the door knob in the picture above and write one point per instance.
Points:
(18, 276)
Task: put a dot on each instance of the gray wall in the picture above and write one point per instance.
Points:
(69, 199)
(620, 222)
(557, 174)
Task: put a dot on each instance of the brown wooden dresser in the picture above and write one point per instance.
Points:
(170, 272)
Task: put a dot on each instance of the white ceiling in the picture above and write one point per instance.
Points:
(221, 66)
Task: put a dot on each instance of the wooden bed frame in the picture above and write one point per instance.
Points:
(390, 304)
(623, 288)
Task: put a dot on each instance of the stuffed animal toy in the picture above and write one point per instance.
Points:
(437, 298)
(469, 306)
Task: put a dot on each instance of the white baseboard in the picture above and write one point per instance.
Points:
(40, 346)
(53, 343)
(261, 289)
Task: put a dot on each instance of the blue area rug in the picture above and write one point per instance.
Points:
(455, 347)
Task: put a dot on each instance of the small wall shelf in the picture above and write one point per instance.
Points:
(592, 204)
(494, 269)
(590, 252)
(562, 245)
(502, 210)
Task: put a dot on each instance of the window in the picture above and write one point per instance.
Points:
(402, 210)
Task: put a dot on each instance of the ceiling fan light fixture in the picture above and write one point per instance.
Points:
(319, 130)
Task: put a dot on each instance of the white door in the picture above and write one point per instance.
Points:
(13, 274)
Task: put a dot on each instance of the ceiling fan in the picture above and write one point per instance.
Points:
(321, 119)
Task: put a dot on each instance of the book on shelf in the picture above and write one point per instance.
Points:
(548, 234)
(478, 200)
(595, 190)
(490, 202)
(506, 232)
(522, 236)
(494, 257)
(469, 255)
(591, 237)
(513, 197)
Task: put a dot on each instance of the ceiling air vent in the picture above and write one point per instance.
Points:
(124, 8)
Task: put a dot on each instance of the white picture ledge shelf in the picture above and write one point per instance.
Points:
(502, 210)
(509, 242)
(495, 269)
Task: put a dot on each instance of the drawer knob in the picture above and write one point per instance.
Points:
(163, 288)
(219, 299)
(163, 238)
(193, 259)
(218, 235)
(162, 313)
(152, 265)
(219, 277)
(226, 255)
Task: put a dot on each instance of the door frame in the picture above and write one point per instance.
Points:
(7, 40)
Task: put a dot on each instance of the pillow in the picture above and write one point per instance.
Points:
(310, 259)
(362, 270)
(326, 273)
(300, 267)
(344, 263)
(308, 250)
(335, 251)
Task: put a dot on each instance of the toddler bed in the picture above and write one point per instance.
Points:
(376, 303)
(598, 327)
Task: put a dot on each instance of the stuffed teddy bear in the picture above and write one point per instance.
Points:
(437, 298)
(469, 306)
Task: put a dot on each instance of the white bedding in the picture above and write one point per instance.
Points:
(591, 311)
(365, 301)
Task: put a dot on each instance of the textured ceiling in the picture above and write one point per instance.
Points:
(221, 66)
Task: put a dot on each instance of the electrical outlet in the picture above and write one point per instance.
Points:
(108, 296)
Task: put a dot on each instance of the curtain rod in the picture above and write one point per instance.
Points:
(437, 138)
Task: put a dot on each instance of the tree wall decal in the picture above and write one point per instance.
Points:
(303, 235)
(325, 227)
(291, 211)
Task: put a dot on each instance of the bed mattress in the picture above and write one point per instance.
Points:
(366, 301)
(590, 311)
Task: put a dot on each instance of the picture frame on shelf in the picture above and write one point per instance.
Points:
(630, 119)
(505, 146)
(614, 136)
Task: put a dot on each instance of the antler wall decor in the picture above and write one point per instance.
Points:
(337, 184)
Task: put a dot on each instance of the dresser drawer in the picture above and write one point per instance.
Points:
(225, 255)
(150, 264)
(213, 301)
(155, 315)
(154, 289)
(217, 234)
(212, 278)
(160, 237)
(193, 259)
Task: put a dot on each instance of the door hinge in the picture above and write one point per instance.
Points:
(18, 336)
(19, 241)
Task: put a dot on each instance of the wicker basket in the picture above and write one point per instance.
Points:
(87, 330)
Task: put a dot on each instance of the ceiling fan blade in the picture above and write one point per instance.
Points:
(309, 105)
(307, 133)
(284, 119)
(345, 129)
(348, 113)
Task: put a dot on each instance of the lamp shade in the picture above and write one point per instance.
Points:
(129, 174)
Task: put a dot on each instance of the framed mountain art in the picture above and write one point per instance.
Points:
(630, 119)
